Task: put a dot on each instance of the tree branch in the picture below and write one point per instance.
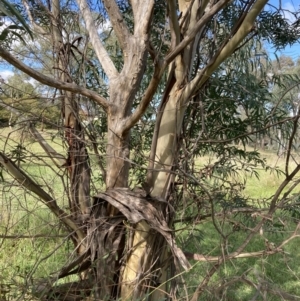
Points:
(29, 184)
(189, 38)
(174, 25)
(118, 23)
(102, 55)
(46, 80)
(21, 236)
(291, 141)
(142, 11)
(57, 158)
(230, 47)
(9, 108)
(134, 6)
(143, 105)
(201, 257)
(35, 26)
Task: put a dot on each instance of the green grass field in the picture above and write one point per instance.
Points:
(33, 243)
(240, 279)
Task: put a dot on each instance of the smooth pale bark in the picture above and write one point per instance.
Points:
(188, 38)
(101, 52)
(140, 260)
(244, 29)
(132, 286)
(172, 119)
(117, 169)
(175, 107)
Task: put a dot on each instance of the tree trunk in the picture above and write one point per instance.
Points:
(117, 155)
(77, 162)
(151, 254)
(128, 248)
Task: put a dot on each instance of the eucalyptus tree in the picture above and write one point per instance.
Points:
(163, 63)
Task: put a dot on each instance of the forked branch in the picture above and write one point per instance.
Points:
(241, 33)
(193, 32)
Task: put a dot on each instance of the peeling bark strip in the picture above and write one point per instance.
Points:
(105, 242)
(78, 160)
(137, 208)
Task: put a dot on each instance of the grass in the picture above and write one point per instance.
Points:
(24, 256)
(281, 272)
(37, 244)
(22, 214)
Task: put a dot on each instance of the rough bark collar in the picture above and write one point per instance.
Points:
(137, 207)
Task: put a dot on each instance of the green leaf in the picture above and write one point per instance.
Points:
(4, 11)
(9, 10)
(5, 33)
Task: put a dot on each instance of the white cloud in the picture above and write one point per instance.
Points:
(288, 10)
(5, 74)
